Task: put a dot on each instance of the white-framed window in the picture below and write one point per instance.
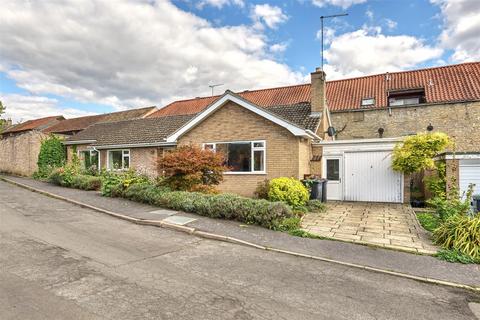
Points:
(241, 156)
(89, 158)
(118, 159)
(368, 102)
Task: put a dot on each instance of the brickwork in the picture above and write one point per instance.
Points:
(286, 155)
(19, 153)
(461, 121)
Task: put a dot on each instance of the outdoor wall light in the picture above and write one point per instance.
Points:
(380, 132)
(430, 127)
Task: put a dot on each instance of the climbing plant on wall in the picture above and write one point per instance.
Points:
(52, 155)
(417, 152)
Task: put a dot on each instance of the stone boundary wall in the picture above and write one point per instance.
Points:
(19, 153)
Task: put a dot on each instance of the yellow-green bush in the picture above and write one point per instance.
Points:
(288, 190)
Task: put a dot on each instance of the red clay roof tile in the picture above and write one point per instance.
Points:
(35, 124)
(452, 83)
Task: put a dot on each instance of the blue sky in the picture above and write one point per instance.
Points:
(92, 56)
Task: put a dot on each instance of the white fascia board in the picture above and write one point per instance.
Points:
(459, 156)
(78, 142)
(297, 131)
(136, 145)
(360, 141)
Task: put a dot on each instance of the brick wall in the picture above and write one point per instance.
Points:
(461, 121)
(286, 155)
(19, 153)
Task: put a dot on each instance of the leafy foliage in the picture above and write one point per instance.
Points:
(65, 175)
(429, 221)
(452, 204)
(52, 155)
(222, 206)
(416, 152)
(460, 233)
(189, 168)
(3, 122)
(261, 192)
(115, 182)
(455, 256)
(288, 190)
(316, 206)
(437, 183)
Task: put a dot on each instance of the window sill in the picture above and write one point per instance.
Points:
(245, 173)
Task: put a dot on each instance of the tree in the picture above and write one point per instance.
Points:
(191, 168)
(416, 153)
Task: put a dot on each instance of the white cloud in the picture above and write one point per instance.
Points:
(220, 3)
(338, 3)
(272, 16)
(278, 47)
(368, 51)
(131, 53)
(461, 28)
(391, 24)
(22, 108)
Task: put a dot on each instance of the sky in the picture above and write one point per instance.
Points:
(82, 57)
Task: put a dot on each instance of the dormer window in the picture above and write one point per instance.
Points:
(406, 97)
(366, 102)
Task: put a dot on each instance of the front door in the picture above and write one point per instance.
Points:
(333, 173)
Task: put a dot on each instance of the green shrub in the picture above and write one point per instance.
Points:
(316, 206)
(461, 233)
(118, 181)
(289, 224)
(288, 190)
(429, 221)
(52, 155)
(261, 192)
(86, 182)
(64, 176)
(224, 206)
(455, 256)
(452, 204)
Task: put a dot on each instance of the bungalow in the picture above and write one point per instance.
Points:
(290, 131)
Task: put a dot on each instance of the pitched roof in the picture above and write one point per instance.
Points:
(35, 124)
(137, 131)
(77, 124)
(265, 98)
(298, 114)
(452, 83)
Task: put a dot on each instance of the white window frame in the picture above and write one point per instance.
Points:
(366, 102)
(125, 154)
(252, 143)
(91, 151)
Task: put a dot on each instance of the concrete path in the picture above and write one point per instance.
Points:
(60, 261)
(386, 225)
(407, 263)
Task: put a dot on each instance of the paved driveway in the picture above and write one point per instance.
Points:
(387, 225)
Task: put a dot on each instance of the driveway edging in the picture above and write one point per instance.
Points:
(223, 238)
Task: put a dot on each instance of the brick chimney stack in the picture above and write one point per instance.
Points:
(317, 91)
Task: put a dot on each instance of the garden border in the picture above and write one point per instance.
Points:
(223, 238)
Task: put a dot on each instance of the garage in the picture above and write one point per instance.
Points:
(469, 173)
(360, 170)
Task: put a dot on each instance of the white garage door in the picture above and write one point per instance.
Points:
(369, 177)
(469, 172)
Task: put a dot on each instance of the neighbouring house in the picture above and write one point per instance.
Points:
(72, 126)
(20, 145)
(288, 131)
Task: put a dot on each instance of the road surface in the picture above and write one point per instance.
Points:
(59, 261)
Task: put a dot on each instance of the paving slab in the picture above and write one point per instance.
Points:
(363, 220)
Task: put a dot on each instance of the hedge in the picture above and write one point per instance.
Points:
(224, 206)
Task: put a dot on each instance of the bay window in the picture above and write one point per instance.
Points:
(118, 159)
(241, 156)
